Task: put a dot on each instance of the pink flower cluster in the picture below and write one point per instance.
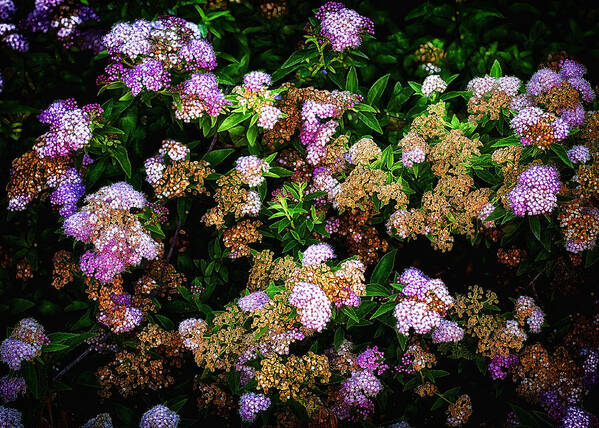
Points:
(423, 304)
(481, 86)
(199, 95)
(24, 344)
(118, 237)
(256, 81)
(448, 331)
(373, 360)
(536, 191)
(156, 165)
(317, 254)
(342, 27)
(433, 83)
(191, 331)
(538, 127)
(313, 306)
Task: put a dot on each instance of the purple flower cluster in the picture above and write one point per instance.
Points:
(70, 128)
(342, 27)
(159, 417)
(251, 170)
(64, 17)
(11, 387)
(199, 94)
(9, 35)
(148, 74)
(356, 394)
(10, 418)
(144, 53)
(103, 420)
(254, 301)
(575, 418)
(118, 237)
(416, 310)
(24, 344)
(579, 154)
(499, 365)
(536, 191)
(529, 310)
(317, 254)
(69, 189)
(156, 165)
(312, 304)
(251, 404)
(314, 134)
(535, 126)
(373, 360)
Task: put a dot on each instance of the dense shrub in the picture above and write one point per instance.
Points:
(292, 214)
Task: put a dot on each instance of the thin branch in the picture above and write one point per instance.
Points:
(213, 142)
(73, 363)
(167, 259)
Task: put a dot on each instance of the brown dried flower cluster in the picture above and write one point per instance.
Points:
(183, 177)
(231, 197)
(511, 257)
(491, 105)
(239, 236)
(459, 412)
(429, 53)
(64, 269)
(147, 367)
(360, 235)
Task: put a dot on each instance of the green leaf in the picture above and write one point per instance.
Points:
(535, 226)
(376, 90)
(19, 305)
(496, 69)
(216, 157)
(560, 151)
(252, 134)
(351, 81)
(165, 322)
(53, 347)
(351, 313)
(383, 309)
(233, 120)
(122, 157)
(370, 120)
(383, 268)
(338, 339)
(377, 290)
(299, 56)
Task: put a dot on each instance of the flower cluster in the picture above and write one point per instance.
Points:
(423, 304)
(10, 418)
(536, 191)
(118, 237)
(254, 301)
(24, 344)
(121, 316)
(251, 170)
(199, 95)
(492, 95)
(144, 54)
(255, 95)
(70, 127)
(527, 311)
(251, 404)
(9, 32)
(356, 395)
(433, 83)
(11, 387)
(342, 27)
(580, 225)
(159, 417)
(312, 305)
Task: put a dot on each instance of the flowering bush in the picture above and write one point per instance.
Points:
(323, 218)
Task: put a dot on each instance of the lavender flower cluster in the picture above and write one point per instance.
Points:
(9, 32)
(159, 417)
(251, 404)
(536, 191)
(24, 344)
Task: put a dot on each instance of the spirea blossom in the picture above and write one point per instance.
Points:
(536, 191)
(317, 253)
(191, 331)
(542, 81)
(118, 237)
(268, 117)
(252, 169)
(312, 304)
(373, 360)
(499, 365)
(70, 128)
(11, 387)
(149, 75)
(253, 302)
(539, 128)
(159, 417)
(24, 344)
(433, 83)
(10, 418)
(199, 95)
(356, 394)
(103, 420)
(251, 404)
(579, 154)
(448, 331)
(256, 81)
(121, 316)
(423, 304)
(342, 27)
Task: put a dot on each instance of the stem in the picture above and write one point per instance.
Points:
(213, 142)
(171, 249)
(441, 396)
(73, 363)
